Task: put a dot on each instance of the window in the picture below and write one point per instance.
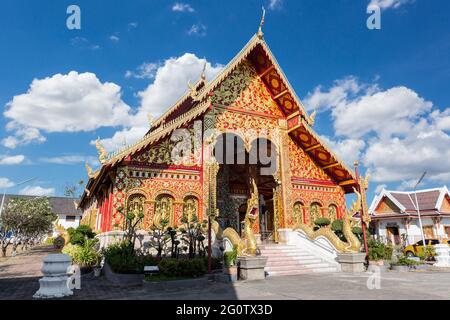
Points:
(71, 218)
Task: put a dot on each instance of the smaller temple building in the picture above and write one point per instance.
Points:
(395, 215)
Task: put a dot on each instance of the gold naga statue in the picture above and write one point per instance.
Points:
(352, 245)
(246, 246)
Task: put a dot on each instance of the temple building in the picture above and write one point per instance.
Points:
(203, 153)
(396, 213)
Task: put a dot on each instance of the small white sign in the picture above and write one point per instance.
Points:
(151, 269)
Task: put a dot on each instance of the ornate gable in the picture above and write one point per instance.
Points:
(243, 89)
(386, 206)
(302, 166)
(445, 207)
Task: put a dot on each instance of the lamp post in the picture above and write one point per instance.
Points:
(418, 209)
(4, 193)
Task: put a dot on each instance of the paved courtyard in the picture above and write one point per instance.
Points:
(19, 280)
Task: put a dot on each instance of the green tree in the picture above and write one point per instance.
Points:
(25, 220)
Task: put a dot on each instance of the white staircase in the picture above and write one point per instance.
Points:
(291, 260)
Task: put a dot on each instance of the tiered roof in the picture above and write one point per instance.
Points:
(197, 101)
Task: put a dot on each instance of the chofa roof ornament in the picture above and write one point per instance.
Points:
(260, 33)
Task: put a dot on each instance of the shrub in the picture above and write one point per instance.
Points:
(71, 250)
(122, 258)
(191, 268)
(428, 254)
(84, 255)
(80, 234)
(229, 258)
(87, 256)
(49, 241)
(404, 261)
(322, 222)
(379, 251)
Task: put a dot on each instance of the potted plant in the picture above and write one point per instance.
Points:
(230, 267)
(379, 253)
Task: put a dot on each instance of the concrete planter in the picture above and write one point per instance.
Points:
(380, 265)
(54, 284)
(352, 262)
(400, 268)
(251, 268)
(122, 279)
(176, 284)
(229, 274)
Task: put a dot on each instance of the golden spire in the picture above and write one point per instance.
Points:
(202, 76)
(102, 154)
(90, 173)
(312, 118)
(260, 33)
(150, 119)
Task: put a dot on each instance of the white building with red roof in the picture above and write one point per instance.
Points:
(395, 213)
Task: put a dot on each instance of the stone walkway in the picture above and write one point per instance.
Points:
(19, 280)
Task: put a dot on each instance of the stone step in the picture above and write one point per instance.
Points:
(292, 262)
(290, 255)
(300, 271)
(283, 250)
(317, 265)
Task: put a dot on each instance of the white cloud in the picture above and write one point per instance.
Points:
(64, 103)
(132, 25)
(5, 183)
(380, 188)
(114, 38)
(403, 135)
(70, 159)
(348, 150)
(10, 160)
(388, 4)
(275, 4)
(145, 71)
(385, 112)
(338, 93)
(37, 191)
(197, 29)
(182, 7)
(81, 42)
(170, 83)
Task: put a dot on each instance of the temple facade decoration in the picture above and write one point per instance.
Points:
(243, 139)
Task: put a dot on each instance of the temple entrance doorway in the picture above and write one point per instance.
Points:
(237, 168)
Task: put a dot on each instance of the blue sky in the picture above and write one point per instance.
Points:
(382, 96)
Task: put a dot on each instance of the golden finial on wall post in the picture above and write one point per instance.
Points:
(260, 33)
(102, 154)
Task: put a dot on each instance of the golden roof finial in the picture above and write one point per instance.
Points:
(312, 118)
(203, 77)
(102, 154)
(150, 119)
(89, 170)
(260, 33)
